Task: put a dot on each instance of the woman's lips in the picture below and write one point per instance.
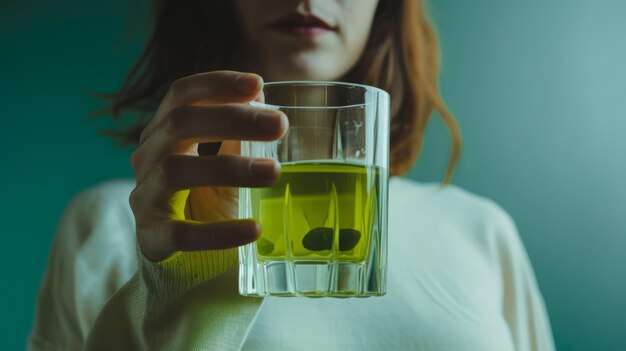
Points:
(301, 25)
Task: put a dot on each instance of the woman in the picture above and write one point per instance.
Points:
(459, 278)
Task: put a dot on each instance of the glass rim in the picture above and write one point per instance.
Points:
(321, 83)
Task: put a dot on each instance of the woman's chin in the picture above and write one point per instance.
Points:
(300, 75)
(303, 69)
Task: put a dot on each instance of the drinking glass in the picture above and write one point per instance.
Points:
(324, 221)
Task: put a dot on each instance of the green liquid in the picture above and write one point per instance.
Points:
(319, 211)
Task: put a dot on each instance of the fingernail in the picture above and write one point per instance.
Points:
(264, 169)
(247, 84)
(269, 121)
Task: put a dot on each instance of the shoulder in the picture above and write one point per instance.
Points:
(103, 208)
(104, 199)
(458, 212)
(97, 234)
(458, 203)
(101, 196)
(93, 253)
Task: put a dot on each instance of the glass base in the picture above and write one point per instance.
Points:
(308, 278)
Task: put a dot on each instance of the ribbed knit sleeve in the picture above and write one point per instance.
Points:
(184, 270)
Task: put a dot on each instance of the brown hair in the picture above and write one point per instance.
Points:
(401, 57)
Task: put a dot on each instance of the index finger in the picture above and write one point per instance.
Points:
(214, 87)
(205, 89)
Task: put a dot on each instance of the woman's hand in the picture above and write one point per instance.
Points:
(206, 107)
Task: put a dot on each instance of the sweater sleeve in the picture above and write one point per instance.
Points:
(186, 302)
(175, 306)
(523, 306)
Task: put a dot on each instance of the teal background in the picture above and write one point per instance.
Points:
(539, 88)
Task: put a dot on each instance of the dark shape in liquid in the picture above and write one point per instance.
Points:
(318, 239)
(321, 238)
(264, 246)
(348, 238)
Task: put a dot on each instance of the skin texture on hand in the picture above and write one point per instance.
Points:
(188, 202)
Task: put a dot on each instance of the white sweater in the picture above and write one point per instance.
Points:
(459, 279)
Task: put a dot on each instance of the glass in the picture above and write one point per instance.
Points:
(324, 222)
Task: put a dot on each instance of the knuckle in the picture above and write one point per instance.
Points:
(168, 170)
(143, 135)
(133, 199)
(135, 160)
(233, 111)
(236, 119)
(177, 119)
(253, 113)
(240, 169)
(215, 170)
(136, 204)
(231, 164)
(177, 87)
